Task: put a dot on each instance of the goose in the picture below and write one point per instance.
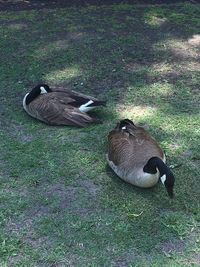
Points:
(60, 106)
(135, 156)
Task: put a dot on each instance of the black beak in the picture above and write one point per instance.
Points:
(170, 191)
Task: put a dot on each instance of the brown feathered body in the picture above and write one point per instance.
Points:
(62, 107)
(129, 149)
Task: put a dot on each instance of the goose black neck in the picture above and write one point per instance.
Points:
(32, 95)
(155, 163)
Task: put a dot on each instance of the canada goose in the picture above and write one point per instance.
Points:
(60, 106)
(136, 157)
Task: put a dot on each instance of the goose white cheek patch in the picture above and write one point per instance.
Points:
(43, 91)
(163, 178)
(124, 128)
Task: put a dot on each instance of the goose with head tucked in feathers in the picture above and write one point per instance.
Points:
(135, 156)
(60, 106)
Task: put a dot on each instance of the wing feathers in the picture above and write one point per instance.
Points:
(61, 107)
(75, 99)
(55, 111)
(131, 145)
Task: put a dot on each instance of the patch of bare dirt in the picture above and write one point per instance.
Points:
(74, 199)
(16, 131)
(197, 258)
(92, 188)
(194, 40)
(171, 246)
(64, 195)
(126, 258)
(78, 200)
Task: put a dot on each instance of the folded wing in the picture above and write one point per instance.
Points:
(57, 111)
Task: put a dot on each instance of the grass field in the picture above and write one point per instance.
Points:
(60, 203)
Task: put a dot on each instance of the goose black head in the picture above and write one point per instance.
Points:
(166, 176)
(35, 92)
(44, 88)
(124, 123)
(168, 180)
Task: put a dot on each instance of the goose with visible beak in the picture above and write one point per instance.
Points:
(60, 106)
(135, 156)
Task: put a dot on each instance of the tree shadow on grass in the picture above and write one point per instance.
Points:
(111, 52)
(105, 55)
(20, 5)
(125, 55)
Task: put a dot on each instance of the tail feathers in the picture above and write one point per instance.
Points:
(96, 103)
(86, 101)
(91, 104)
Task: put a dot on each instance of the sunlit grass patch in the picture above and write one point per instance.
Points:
(17, 16)
(122, 7)
(63, 75)
(182, 48)
(51, 48)
(153, 20)
(152, 93)
(17, 26)
(185, 15)
(194, 40)
(134, 112)
(155, 16)
(60, 203)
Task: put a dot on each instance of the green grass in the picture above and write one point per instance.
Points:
(60, 203)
